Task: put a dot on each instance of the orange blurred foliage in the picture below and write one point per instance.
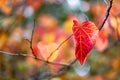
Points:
(115, 26)
(102, 38)
(4, 7)
(45, 49)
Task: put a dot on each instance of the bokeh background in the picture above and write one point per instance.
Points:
(54, 21)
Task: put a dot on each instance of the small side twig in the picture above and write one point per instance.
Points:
(59, 46)
(27, 40)
(31, 41)
(73, 62)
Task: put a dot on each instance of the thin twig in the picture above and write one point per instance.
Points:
(31, 41)
(33, 31)
(27, 40)
(107, 14)
(63, 70)
(26, 55)
(59, 46)
(73, 62)
(59, 73)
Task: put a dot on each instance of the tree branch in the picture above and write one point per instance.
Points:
(63, 70)
(107, 14)
(26, 55)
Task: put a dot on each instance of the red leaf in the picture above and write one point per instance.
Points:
(85, 38)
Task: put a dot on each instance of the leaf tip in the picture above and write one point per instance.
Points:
(81, 61)
(75, 23)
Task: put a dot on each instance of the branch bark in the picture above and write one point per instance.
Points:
(107, 14)
(31, 41)
(32, 56)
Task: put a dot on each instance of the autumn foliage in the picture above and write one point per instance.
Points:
(59, 39)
